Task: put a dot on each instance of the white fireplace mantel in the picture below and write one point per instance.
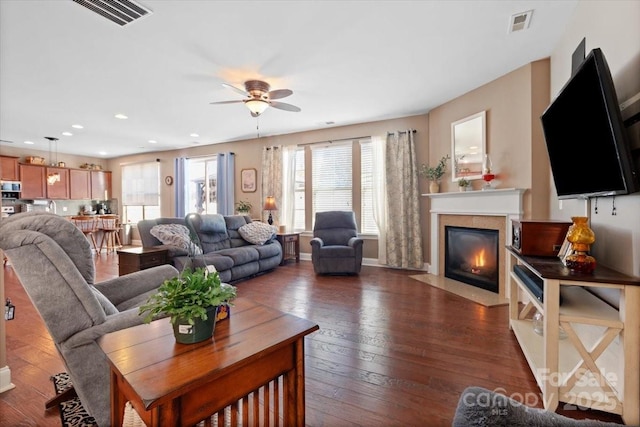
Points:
(505, 202)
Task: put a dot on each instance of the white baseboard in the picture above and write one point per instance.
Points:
(370, 262)
(5, 379)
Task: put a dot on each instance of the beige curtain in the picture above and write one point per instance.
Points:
(272, 175)
(404, 241)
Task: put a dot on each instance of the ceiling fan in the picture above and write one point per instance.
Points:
(259, 97)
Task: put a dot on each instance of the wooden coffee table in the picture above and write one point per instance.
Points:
(253, 366)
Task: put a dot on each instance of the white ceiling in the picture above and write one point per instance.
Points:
(346, 62)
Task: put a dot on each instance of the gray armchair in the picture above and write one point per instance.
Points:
(53, 260)
(336, 247)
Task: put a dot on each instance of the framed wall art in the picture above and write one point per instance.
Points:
(248, 179)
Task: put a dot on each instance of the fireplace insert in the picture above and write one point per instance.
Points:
(471, 256)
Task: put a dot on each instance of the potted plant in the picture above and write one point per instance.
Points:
(191, 300)
(243, 207)
(434, 173)
(464, 184)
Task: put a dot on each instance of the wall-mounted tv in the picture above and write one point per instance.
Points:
(586, 139)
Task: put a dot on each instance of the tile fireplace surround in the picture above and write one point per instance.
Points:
(490, 209)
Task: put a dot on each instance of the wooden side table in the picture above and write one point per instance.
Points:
(290, 246)
(139, 258)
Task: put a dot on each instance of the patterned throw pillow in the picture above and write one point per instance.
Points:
(257, 232)
(175, 235)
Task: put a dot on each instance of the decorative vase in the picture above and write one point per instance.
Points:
(581, 237)
(463, 188)
(201, 330)
(434, 187)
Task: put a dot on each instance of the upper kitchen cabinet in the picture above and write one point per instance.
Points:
(60, 188)
(9, 168)
(79, 184)
(34, 182)
(100, 185)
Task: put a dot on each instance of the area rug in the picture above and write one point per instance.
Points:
(73, 414)
(472, 293)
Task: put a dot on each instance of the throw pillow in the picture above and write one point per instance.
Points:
(257, 232)
(175, 235)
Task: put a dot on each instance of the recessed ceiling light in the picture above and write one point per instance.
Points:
(121, 116)
(153, 141)
(194, 135)
(102, 153)
(29, 142)
(77, 126)
(67, 133)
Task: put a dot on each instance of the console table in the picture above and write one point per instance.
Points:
(253, 367)
(597, 364)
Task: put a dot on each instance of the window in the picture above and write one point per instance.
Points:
(332, 177)
(141, 191)
(201, 177)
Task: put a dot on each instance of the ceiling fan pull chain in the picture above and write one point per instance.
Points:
(258, 126)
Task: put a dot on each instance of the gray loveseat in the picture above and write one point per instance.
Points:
(222, 246)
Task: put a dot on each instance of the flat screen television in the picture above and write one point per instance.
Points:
(586, 139)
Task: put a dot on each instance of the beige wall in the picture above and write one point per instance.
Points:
(614, 27)
(249, 155)
(514, 103)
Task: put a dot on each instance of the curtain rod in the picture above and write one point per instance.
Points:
(402, 131)
(335, 140)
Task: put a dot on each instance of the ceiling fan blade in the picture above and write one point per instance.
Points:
(4, 140)
(285, 106)
(235, 89)
(227, 102)
(280, 93)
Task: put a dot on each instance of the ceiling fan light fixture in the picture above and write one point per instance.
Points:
(256, 106)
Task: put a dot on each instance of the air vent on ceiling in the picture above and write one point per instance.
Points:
(122, 12)
(520, 21)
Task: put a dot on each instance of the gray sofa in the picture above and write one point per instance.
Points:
(222, 246)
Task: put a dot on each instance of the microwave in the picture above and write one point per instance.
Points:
(11, 186)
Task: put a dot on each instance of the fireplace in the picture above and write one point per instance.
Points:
(471, 256)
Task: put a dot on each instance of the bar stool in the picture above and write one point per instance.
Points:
(110, 226)
(88, 226)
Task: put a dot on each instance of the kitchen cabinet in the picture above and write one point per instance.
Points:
(9, 168)
(59, 189)
(100, 185)
(34, 182)
(79, 184)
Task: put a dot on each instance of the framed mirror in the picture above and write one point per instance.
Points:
(468, 146)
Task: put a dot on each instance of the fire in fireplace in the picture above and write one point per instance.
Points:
(471, 256)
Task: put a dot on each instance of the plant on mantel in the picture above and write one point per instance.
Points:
(434, 173)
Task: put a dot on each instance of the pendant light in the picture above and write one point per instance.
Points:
(53, 177)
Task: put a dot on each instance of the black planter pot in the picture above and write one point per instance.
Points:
(201, 330)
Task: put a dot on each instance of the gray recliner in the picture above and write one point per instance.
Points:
(53, 260)
(336, 247)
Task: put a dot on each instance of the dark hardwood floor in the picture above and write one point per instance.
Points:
(390, 350)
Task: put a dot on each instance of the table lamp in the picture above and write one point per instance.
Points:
(270, 205)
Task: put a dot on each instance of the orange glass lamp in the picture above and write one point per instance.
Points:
(270, 205)
(581, 238)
